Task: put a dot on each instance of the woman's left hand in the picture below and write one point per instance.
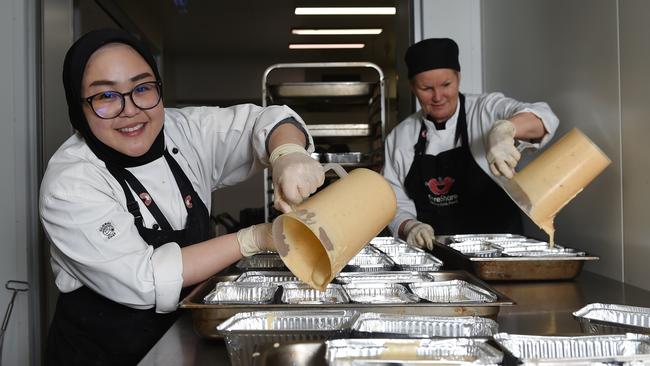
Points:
(296, 175)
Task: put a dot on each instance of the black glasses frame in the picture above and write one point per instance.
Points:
(89, 99)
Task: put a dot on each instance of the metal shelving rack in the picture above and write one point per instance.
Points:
(328, 96)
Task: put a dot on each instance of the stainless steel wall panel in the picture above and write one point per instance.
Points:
(635, 112)
(566, 53)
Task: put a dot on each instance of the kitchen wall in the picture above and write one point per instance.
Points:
(19, 258)
(635, 129)
(566, 53)
(588, 59)
(459, 20)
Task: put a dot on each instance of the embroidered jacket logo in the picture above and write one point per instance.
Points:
(440, 186)
(108, 230)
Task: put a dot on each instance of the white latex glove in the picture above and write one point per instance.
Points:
(419, 234)
(502, 154)
(296, 175)
(255, 239)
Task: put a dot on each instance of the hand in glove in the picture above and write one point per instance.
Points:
(296, 175)
(419, 234)
(502, 154)
(255, 239)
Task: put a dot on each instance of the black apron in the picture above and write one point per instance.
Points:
(453, 194)
(89, 329)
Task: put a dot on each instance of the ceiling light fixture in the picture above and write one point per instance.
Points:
(335, 32)
(314, 46)
(387, 10)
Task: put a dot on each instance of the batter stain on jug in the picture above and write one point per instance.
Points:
(327, 243)
(306, 216)
(280, 241)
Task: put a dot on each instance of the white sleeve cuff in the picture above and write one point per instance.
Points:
(168, 276)
(399, 218)
(271, 116)
(549, 120)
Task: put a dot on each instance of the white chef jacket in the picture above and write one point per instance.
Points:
(94, 241)
(481, 113)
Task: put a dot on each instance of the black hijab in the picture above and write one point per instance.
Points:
(74, 66)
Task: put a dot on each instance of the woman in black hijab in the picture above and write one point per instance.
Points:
(123, 201)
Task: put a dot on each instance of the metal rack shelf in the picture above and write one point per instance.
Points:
(340, 98)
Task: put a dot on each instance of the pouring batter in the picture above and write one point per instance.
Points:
(443, 161)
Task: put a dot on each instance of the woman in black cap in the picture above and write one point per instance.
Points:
(125, 200)
(443, 161)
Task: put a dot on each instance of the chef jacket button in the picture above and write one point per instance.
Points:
(155, 226)
(175, 151)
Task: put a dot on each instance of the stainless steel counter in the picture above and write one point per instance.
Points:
(542, 308)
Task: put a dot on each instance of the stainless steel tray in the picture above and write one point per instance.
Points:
(386, 351)
(560, 264)
(379, 325)
(343, 89)
(206, 317)
(580, 349)
(246, 332)
(310, 353)
(342, 158)
(600, 318)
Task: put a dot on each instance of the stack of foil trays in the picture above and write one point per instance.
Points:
(397, 287)
(356, 336)
(510, 257)
(598, 318)
(621, 349)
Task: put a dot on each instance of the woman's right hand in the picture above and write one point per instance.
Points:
(296, 175)
(419, 234)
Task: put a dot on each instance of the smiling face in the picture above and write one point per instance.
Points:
(437, 92)
(118, 67)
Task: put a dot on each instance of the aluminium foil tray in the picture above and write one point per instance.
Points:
(512, 258)
(598, 318)
(621, 349)
(206, 317)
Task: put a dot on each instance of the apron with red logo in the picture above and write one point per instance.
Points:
(90, 329)
(453, 194)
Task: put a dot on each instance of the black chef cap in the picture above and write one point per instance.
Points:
(432, 53)
(74, 67)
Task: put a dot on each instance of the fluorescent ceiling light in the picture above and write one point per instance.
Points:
(334, 32)
(311, 46)
(388, 10)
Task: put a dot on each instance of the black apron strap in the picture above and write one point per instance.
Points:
(421, 145)
(90, 329)
(124, 176)
(453, 194)
(131, 204)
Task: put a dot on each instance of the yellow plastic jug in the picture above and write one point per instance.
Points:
(555, 177)
(320, 236)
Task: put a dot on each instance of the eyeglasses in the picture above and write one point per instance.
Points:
(109, 104)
